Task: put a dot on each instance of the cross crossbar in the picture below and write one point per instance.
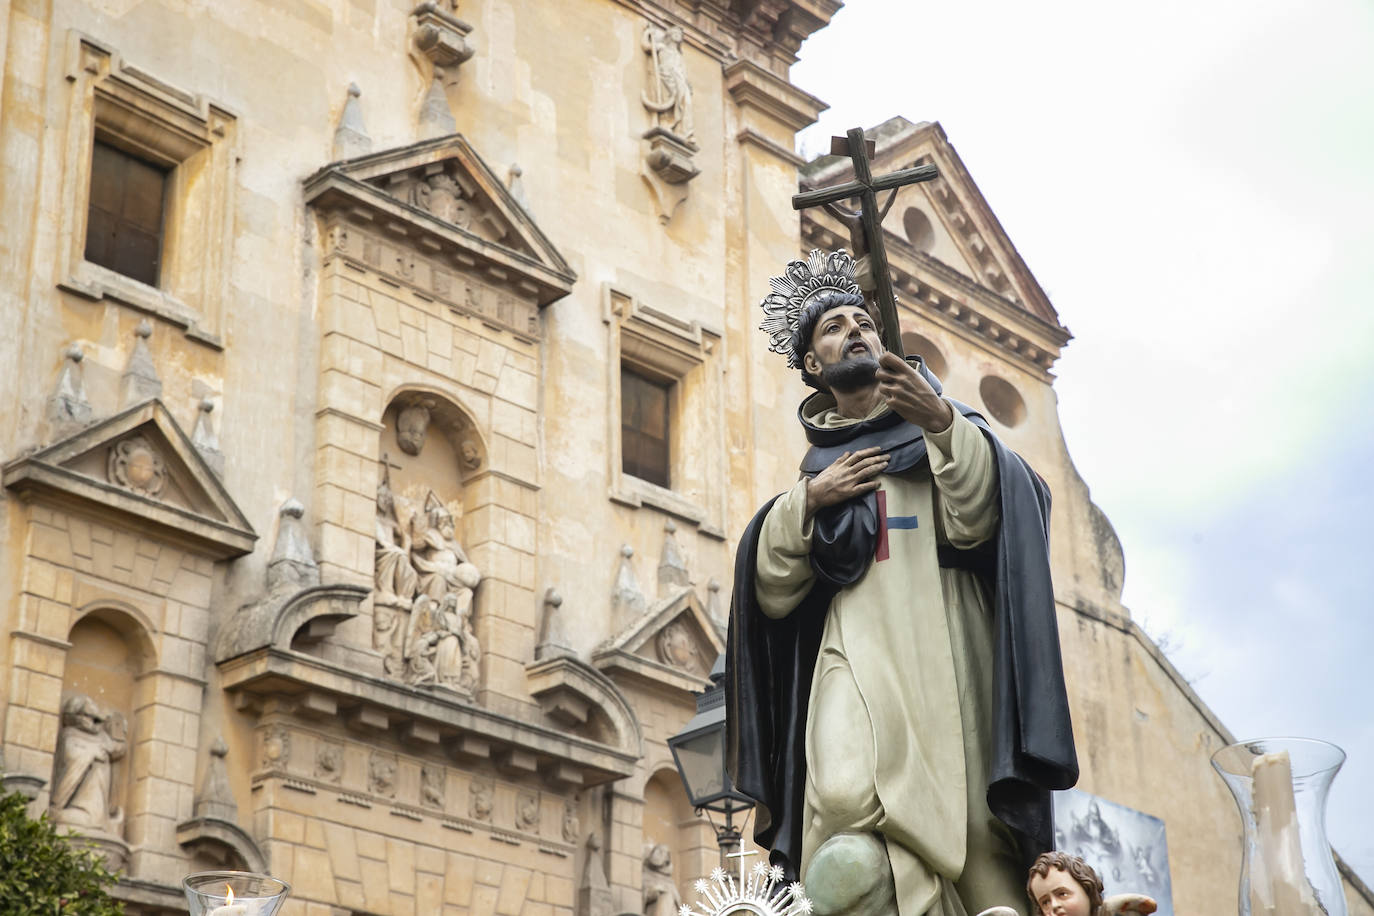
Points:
(865, 187)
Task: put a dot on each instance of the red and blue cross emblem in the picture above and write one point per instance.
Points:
(886, 522)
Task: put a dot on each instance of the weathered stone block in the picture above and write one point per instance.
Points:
(400, 860)
(429, 892)
(288, 827)
(484, 900)
(40, 578)
(375, 885)
(314, 876)
(458, 879)
(47, 543)
(520, 388)
(514, 883)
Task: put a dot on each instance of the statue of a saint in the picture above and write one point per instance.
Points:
(661, 897)
(878, 606)
(670, 98)
(87, 746)
(394, 578)
(457, 652)
(436, 554)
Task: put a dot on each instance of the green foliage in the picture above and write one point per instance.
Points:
(44, 874)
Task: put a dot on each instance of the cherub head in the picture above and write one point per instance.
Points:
(1063, 885)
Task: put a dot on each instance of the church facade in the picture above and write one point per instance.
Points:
(384, 397)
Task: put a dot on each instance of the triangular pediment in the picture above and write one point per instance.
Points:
(674, 642)
(443, 195)
(141, 465)
(946, 220)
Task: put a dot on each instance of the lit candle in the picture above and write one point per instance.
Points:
(230, 908)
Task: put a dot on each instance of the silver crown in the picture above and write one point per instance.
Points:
(801, 282)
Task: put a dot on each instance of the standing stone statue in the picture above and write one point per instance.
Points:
(661, 897)
(670, 94)
(394, 580)
(90, 741)
(901, 762)
(436, 554)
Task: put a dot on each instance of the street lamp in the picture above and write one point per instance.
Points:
(699, 753)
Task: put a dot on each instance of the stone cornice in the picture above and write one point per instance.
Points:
(751, 86)
(274, 674)
(770, 32)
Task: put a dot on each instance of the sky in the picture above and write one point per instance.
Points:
(1192, 183)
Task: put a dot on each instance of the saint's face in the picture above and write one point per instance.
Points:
(844, 333)
(1058, 894)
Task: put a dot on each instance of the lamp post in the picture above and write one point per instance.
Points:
(699, 753)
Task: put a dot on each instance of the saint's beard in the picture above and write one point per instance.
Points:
(851, 374)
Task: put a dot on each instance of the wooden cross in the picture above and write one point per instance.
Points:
(865, 187)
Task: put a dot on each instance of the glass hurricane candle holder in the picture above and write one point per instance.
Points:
(1281, 786)
(233, 893)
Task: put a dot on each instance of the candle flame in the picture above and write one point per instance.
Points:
(228, 895)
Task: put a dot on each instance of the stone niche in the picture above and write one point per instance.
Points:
(425, 583)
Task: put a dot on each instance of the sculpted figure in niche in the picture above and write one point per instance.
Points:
(670, 95)
(422, 643)
(395, 579)
(661, 897)
(90, 741)
(436, 554)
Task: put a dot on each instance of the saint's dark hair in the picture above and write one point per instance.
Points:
(1076, 869)
(806, 326)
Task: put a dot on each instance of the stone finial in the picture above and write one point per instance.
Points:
(436, 118)
(553, 637)
(516, 185)
(215, 799)
(68, 408)
(627, 601)
(672, 570)
(139, 382)
(204, 438)
(593, 891)
(351, 138)
(713, 608)
(293, 562)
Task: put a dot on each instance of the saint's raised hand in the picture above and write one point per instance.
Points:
(910, 395)
(850, 475)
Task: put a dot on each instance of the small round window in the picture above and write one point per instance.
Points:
(919, 232)
(1002, 401)
(919, 345)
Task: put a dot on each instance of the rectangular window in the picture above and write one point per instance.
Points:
(124, 225)
(644, 427)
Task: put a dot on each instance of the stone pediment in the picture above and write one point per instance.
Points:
(955, 227)
(141, 466)
(673, 643)
(441, 194)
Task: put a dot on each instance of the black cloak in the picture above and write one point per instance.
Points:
(770, 663)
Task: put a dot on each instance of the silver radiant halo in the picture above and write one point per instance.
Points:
(801, 282)
(760, 892)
